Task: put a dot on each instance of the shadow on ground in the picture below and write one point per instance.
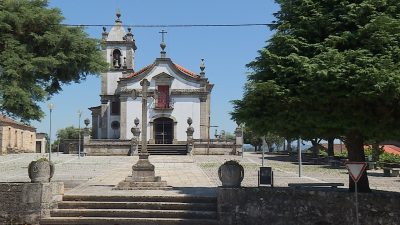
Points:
(198, 191)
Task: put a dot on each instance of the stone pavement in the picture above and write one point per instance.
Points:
(97, 175)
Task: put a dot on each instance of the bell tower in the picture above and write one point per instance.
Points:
(118, 49)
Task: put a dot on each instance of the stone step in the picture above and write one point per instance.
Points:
(124, 221)
(137, 198)
(134, 213)
(137, 205)
(167, 149)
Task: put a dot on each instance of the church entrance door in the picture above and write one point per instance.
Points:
(163, 130)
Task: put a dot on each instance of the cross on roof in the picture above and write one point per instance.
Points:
(162, 32)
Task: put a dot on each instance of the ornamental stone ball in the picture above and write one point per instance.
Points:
(189, 121)
(87, 122)
(136, 121)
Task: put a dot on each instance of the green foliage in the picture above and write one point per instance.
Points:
(343, 154)
(38, 55)
(389, 158)
(69, 133)
(332, 68)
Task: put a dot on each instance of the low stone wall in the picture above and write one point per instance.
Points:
(221, 148)
(26, 203)
(107, 147)
(287, 206)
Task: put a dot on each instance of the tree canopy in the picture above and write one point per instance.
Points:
(38, 55)
(332, 68)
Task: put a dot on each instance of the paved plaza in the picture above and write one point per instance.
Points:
(185, 174)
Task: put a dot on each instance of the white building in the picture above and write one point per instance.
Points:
(175, 94)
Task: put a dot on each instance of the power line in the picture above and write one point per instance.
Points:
(171, 25)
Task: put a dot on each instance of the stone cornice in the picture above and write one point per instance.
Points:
(134, 93)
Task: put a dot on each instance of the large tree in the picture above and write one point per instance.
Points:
(38, 55)
(331, 69)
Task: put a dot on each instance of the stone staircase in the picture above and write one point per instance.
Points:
(166, 149)
(134, 210)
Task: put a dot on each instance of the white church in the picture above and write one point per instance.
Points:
(174, 94)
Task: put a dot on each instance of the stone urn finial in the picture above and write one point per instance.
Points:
(136, 121)
(41, 171)
(231, 174)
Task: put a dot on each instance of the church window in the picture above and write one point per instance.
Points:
(115, 108)
(163, 97)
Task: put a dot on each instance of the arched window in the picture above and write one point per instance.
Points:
(117, 58)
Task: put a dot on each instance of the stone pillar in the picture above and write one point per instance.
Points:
(145, 85)
(86, 136)
(189, 135)
(104, 119)
(175, 141)
(135, 139)
(239, 139)
(151, 127)
(203, 117)
(123, 115)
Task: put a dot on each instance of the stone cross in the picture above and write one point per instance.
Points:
(162, 32)
(145, 85)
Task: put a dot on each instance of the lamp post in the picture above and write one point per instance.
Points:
(51, 107)
(79, 133)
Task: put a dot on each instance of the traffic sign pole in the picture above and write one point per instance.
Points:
(356, 193)
(356, 170)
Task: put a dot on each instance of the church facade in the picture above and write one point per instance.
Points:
(174, 95)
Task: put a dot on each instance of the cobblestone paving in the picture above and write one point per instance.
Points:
(100, 173)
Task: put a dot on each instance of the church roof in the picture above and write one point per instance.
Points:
(151, 66)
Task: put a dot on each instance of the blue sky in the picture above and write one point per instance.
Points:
(226, 50)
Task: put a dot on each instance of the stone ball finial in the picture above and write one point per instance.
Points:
(136, 121)
(163, 45)
(189, 121)
(86, 121)
(104, 29)
(129, 30)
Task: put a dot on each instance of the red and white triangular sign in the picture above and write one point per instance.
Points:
(356, 169)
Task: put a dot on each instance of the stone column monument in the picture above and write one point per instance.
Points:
(143, 175)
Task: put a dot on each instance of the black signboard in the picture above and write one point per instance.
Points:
(266, 176)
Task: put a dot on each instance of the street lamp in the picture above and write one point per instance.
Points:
(51, 107)
(79, 134)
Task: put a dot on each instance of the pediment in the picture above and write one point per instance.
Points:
(163, 77)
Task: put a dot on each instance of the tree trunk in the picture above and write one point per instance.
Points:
(331, 151)
(355, 147)
(315, 148)
(375, 151)
(255, 148)
(289, 145)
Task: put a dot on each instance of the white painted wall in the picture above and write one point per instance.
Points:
(112, 82)
(184, 107)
